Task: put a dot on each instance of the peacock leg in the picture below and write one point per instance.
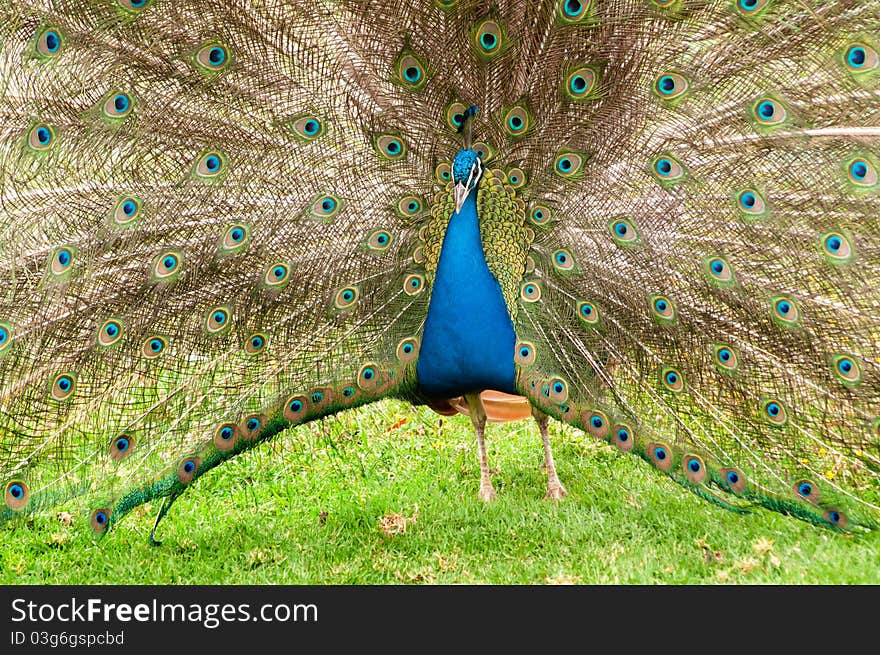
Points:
(478, 418)
(555, 490)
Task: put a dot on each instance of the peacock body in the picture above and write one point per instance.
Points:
(656, 220)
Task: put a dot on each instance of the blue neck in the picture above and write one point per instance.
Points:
(468, 342)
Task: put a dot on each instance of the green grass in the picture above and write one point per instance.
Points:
(308, 508)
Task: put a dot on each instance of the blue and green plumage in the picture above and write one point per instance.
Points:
(219, 221)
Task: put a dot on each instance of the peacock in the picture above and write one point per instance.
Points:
(657, 221)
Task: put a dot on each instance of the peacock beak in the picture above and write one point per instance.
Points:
(460, 191)
(460, 194)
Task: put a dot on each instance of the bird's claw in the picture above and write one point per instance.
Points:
(555, 492)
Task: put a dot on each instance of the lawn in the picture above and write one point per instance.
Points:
(364, 498)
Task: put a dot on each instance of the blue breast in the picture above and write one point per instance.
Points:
(468, 342)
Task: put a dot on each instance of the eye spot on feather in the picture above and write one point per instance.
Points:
(557, 390)
(346, 297)
(836, 248)
(134, 6)
(734, 479)
(17, 495)
(751, 7)
(252, 426)
(574, 11)
(408, 349)
(62, 260)
(597, 424)
(127, 210)
(276, 275)
(662, 309)
(63, 386)
(234, 239)
(484, 151)
(525, 353)
(121, 447)
(846, 369)
(807, 490)
(530, 292)
(660, 455)
(443, 172)
(50, 42)
(694, 469)
(368, 377)
(563, 260)
(41, 137)
(861, 172)
(295, 409)
(489, 38)
(391, 147)
(671, 379)
(751, 203)
(188, 469)
(410, 206)
(110, 333)
(784, 311)
(118, 105)
(218, 320)
(667, 170)
(517, 122)
(5, 336)
(307, 127)
(210, 165)
(569, 165)
(581, 83)
(413, 284)
(540, 215)
(212, 57)
(516, 177)
(623, 437)
(623, 232)
(861, 58)
(99, 520)
(836, 518)
(411, 72)
(226, 436)
(769, 112)
(320, 398)
(670, 86)
(255, 343)
(719, 272)
(726, 358)
(774, 412)
(588, 312)
(153, 347)
(455, 113)
(379, 241)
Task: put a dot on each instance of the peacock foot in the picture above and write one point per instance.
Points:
(487, 493)
(555, 491)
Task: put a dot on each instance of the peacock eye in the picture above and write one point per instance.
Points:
(411, 71)
(670, 86)
(212, 57)
(390, 147)
(210, 165)
(489, 38)
(861, 58)
(49, 43)
(118, 105)
(769, 112)
(307, 127)
(41, 137)
(580, 83)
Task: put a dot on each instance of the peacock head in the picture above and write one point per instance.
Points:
(467, 169)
